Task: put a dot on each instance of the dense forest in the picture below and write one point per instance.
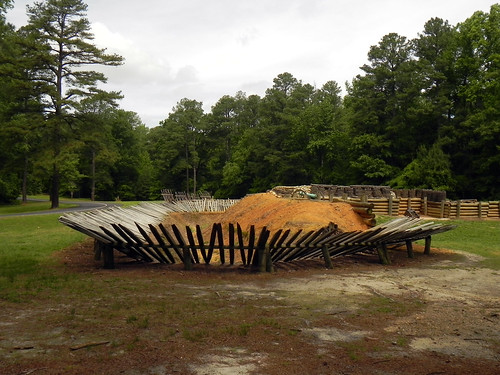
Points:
(425, 113)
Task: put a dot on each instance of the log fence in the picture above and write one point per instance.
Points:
(444, 209)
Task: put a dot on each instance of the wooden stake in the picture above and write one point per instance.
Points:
(427, 249)
(409, 249)
(326, 256)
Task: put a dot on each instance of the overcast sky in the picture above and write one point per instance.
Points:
(204, 49)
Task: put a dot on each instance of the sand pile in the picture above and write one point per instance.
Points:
(267, 210)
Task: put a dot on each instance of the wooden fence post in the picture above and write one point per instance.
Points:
(108, 255)
(441, 213)
(326, 256)
(424, 209)
(261, 256)
(390, 205)
(186, 258)
(409, 249)
(427, 249)
(382, 254)
(97, 250)
(269, 261)
(459, 205)
(480, 210)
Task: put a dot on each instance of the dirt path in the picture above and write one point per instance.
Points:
(456, 319)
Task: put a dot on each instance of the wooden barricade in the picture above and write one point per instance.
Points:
(138, 232)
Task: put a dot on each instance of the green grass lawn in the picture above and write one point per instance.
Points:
(30, 206)
(26, 242)
(481, 237)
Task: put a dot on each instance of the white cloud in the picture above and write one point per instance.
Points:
(203, 50)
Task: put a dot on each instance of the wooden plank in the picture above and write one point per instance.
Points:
(186, 254)
(201, 243)
(162, 243)
(259, 256)
(171, 241)
(130, 243)
(285, 249)
(194, 250)
(251, 243)
(241, 244)
(278, 249)
(221, 243)
(140, 244)
(212, 243)
(135, 242)
(231, 244)
(152, 245)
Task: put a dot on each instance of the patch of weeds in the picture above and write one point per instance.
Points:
(72, 314)
(402, 341)
(144, 323)
(194, 335)
(384, 305)
(243, 329)
(293, 331)
(131, 319)
(354, 349)
(170, 332)
(131, 345)
(269, 322)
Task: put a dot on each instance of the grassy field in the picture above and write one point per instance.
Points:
(31, 206)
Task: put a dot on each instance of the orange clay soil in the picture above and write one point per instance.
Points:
(265, 209)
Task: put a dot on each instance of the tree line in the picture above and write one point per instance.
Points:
(423, 114)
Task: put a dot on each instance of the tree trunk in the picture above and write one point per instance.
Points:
(92, 188)
(187, 170)
(24, 192)
(54, 193)
(194, 181)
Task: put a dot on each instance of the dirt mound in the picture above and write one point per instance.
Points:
(266, 209)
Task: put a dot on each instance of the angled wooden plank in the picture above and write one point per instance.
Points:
(121, 245)
(171, 241)
(258, 257)
(220, 239)
(139, 243)
(273, 241)
(296, 247)
(241, 245)
(251, 244)
(152, 245)
(194, 251)
(186, 254)
(211, 245)
(130, 243)
(278, 249)
(201, 243)
(162, 243)
(231, 244)
(287, 247)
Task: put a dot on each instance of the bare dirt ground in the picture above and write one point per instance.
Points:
(437, 314)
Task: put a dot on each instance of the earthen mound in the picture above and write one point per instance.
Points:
(267, 210)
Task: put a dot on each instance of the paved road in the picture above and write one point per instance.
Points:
(80, 206)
